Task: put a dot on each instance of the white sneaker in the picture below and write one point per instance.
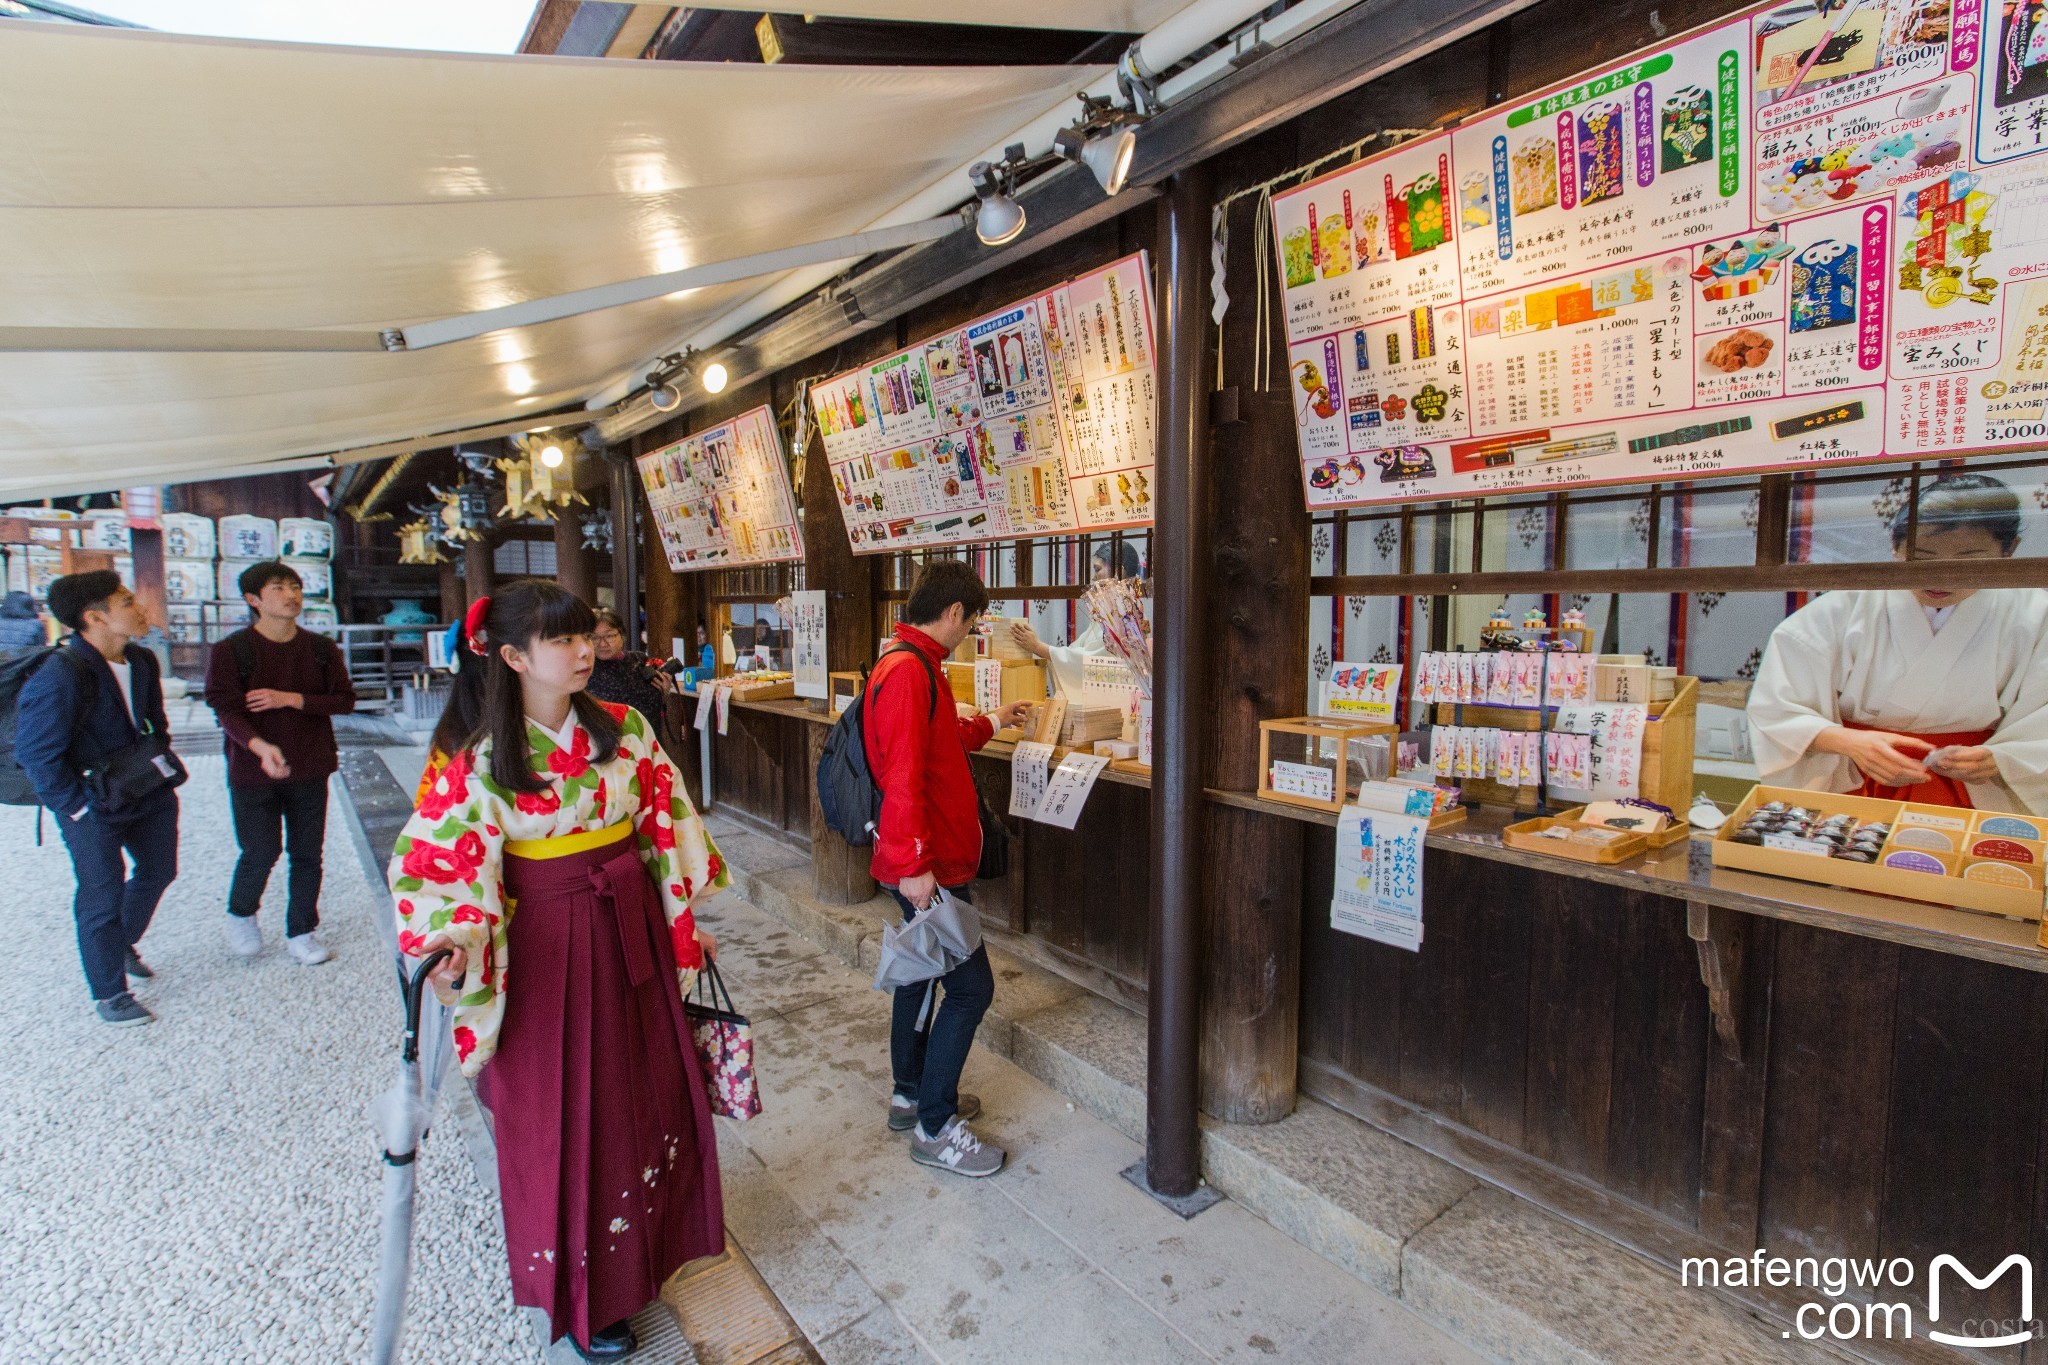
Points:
(245, 936)
(308, 948)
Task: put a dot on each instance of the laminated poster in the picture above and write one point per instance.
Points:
(1028, 767)
(722, 497)
(724, 702)
(707, 701)
(807, 642)
(1066, 791)
(1786, 239)
(1034, 420)
(1379, 876)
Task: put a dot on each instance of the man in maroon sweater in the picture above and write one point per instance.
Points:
(275, 688)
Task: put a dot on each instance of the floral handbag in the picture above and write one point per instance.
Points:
(725, 1045)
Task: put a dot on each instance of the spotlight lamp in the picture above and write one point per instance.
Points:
(1103, 139)
(998, 217)
(551, 455)
(670, 373)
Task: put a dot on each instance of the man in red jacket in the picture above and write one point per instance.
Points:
(929, 836)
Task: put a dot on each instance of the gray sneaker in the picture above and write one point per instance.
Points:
(956, 1149)
(245, 936)
(903, 1112)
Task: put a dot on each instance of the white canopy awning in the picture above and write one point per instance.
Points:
(1102, 16)
(155, 181)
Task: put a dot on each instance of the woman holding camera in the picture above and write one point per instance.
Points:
(626, 675)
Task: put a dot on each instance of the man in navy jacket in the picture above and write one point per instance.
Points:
(73, 713)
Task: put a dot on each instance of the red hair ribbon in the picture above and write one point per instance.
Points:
(473, 624)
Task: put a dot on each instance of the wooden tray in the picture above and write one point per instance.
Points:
(1528, 836)
(2016, 902)
(1675, 832)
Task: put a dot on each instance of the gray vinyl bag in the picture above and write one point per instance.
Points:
(936, 940)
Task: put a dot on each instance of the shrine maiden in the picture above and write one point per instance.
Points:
(1068, 664)
(1934, 695)
(558, 840)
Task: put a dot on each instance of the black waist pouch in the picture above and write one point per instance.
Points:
(131, 775)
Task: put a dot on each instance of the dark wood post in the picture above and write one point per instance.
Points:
(1180, 559)
(146, 552)
(659, 583)
(625, 542)
(574, 568)
(839, 872)
(1251, 989)
(453, 602)
(479, 571)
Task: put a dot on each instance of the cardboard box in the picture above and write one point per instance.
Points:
(1957, 890)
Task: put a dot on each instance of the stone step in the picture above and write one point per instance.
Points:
(1501, 1274)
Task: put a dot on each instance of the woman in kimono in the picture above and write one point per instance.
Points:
(1937, 695)
(1069, 663)
(560, 839)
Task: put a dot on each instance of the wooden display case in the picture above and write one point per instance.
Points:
(1309, 745)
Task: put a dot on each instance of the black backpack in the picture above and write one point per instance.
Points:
(15, 671)
(847, 791)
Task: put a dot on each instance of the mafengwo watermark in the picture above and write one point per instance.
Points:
(1856, 1296)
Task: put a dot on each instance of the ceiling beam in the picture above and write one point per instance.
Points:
(1352, 48)
(1355, 46)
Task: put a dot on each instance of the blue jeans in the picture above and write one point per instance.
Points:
(927, 1063)
(114, 906)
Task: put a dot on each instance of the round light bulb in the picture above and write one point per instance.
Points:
(665, 397)
(551, 456)
(714, 378)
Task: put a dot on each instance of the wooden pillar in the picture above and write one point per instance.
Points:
(574, 568)
(1251, 990)
(1252, 863)
(1180, 666)
(479, 573)
(146, 551)
(625, 543)
(663, 594)
(839, 872)
(453, 600)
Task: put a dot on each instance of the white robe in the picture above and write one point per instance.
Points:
(1069, 663)
(1872, 658)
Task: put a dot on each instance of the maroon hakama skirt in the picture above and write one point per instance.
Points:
(606, 1156)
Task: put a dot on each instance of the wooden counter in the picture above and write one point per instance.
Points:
(1686, 872)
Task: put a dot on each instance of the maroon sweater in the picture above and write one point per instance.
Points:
(307, 663)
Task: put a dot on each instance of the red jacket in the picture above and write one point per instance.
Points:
(931, 820)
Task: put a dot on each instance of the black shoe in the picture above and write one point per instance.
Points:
(123, 1009)
(137, 969)
(615, 1342)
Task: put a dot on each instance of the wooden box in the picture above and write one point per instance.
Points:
(772, 687)
(1314, 757)
(840, 690)
(1528, 835)
(2017, 902)
(1021, 682)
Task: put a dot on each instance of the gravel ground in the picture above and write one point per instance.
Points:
(204, 1188)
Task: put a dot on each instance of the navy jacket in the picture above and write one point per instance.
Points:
(55, 733)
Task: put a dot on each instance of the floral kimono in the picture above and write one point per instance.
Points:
(606, 1154)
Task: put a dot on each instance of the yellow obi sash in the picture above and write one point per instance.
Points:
(565, 845)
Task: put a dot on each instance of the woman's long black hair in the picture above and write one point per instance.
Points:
(463, 714)
(521, 612)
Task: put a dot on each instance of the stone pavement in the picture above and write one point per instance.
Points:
(1057, 1259)
(205, 1188)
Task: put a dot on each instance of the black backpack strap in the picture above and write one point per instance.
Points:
(244, 650)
